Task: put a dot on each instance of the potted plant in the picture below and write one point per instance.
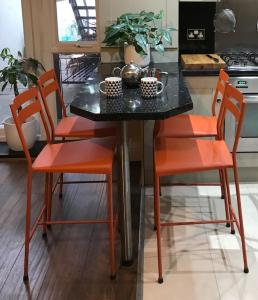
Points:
(25, 71)
(137, 32)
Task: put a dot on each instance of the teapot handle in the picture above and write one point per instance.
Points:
(100, 86)
(166, 76)
(114, 72)
(162, 88)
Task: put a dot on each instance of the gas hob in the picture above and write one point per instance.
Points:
(240, 60)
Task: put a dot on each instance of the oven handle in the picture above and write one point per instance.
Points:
(251, 98)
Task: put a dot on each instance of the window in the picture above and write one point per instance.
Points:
(76, 20)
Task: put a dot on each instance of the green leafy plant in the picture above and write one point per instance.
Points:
(19, 70)
(139, 30)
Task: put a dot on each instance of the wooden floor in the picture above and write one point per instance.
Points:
(73, 262)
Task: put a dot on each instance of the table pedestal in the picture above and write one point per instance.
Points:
(125, 194)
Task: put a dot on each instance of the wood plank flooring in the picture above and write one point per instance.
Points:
(73, 263)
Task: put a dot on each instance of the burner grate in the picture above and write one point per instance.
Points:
(248, 60)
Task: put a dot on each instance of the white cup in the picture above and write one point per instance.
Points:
(149, 87)
(113, 87)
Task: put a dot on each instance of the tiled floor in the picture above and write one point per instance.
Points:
(203, 261)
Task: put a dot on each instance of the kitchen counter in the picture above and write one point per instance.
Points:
(212, 72)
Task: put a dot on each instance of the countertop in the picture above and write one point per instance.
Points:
(91, 104)
(212, 72)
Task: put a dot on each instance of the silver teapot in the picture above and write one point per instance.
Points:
(131, 74)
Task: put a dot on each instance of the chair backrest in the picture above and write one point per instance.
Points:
(233, 102)
(48, 84)
(220, 89)
(24, 106)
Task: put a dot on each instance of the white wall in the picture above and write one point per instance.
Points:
(11, 36)
(11, 26)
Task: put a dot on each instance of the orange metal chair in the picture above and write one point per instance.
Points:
(193, 126)
(189, 126)
(84, 156)
(70, 126)
(177, 155)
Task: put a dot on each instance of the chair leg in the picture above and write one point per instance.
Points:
(228, 197)
(49, 205)
(240, 216)
(111, 228)
(160, 194)
(44, 234)
(157, 222)
(225, 196)
(222, 184)
(153, 169)
(155, 209)
(61, 179)
(27, 228)
(61, 185)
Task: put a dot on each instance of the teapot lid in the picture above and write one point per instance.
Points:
(131, 67)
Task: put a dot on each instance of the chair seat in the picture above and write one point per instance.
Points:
(85, 156)
(76, 126)
(188, 126)
(177, 155)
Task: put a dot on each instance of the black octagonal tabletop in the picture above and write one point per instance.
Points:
(91, 104)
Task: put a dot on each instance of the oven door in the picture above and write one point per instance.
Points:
(248, 141)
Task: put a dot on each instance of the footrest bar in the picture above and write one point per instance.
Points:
(196, 222)
(74, 222)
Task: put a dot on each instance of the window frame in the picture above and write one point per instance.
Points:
(79, 46)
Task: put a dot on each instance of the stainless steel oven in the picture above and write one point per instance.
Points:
(242, 65)
(249, 134)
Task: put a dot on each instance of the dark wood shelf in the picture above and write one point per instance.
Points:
(5, 152)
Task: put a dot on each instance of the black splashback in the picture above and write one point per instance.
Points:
(196, 30)
(245, 35)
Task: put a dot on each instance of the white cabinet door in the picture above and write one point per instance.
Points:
(202, 101)
(201, 90)
(199, 0)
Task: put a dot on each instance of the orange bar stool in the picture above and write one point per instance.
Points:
(70, 126)
(181, 155)
(192, 126)
(94, 156)
(189, 126)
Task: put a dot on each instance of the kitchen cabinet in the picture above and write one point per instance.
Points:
(199, 0)
(201, 89)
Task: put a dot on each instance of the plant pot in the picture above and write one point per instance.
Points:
(131, 55)
(29, 128)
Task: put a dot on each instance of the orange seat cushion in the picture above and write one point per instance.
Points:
(85, 156)
(177, 155)
(76, 126)
(188, 126)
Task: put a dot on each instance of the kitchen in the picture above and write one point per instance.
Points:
(237, 45)
(198, 257)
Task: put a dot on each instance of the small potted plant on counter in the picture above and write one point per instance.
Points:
(24, 71)
(137, 32)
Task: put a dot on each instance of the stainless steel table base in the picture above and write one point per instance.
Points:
(125, 195)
